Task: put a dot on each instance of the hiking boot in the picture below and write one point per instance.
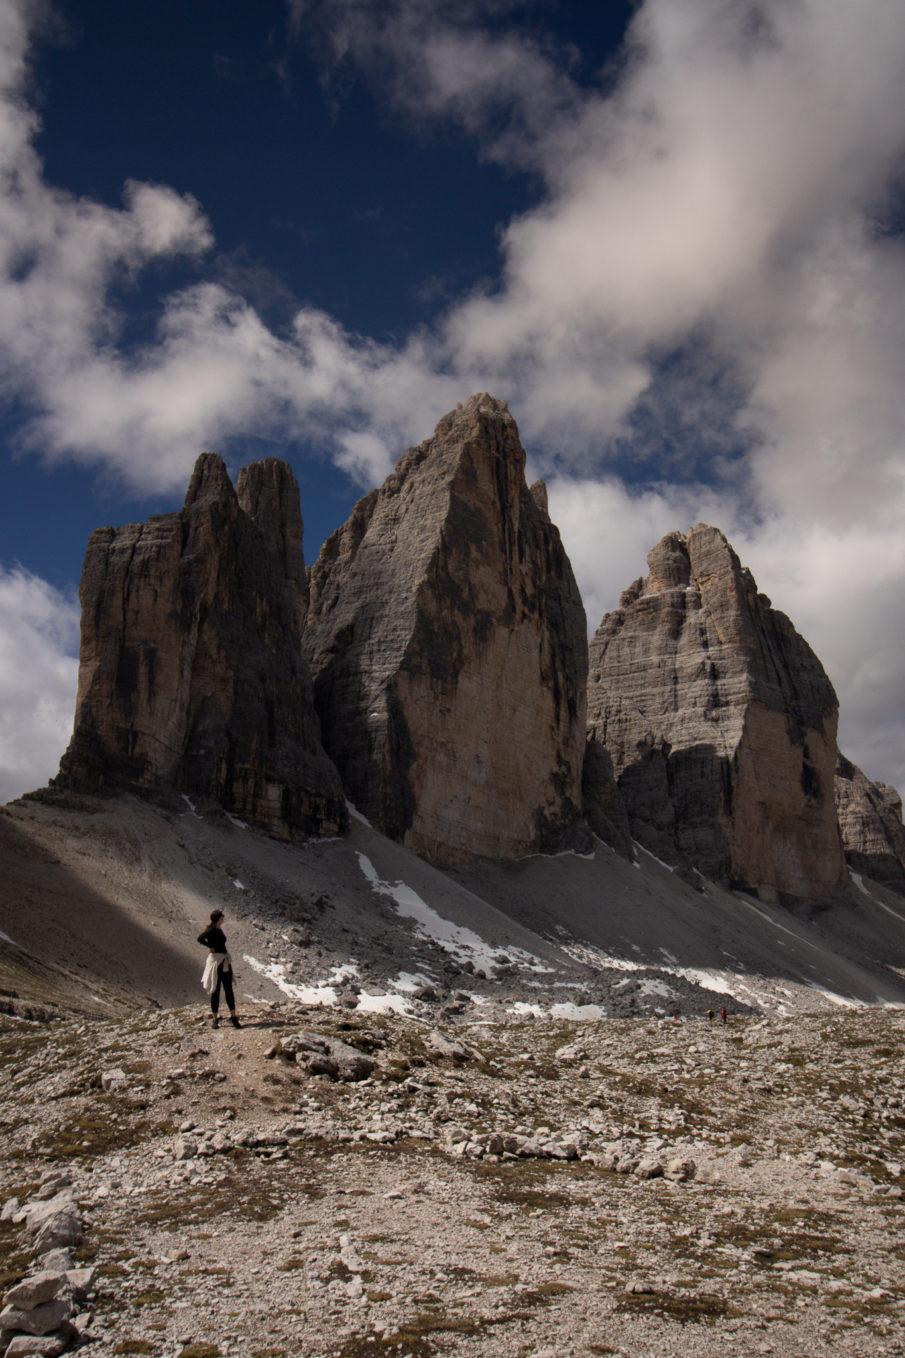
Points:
(216, 1023)
(234, 1021)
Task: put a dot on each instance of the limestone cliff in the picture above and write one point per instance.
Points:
(191, 675)
(720, 722)
(870, 820)
(447, 641)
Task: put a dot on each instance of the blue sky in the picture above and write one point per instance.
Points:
(668, 233)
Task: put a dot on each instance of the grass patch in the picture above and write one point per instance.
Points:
(543, 1294)
(532, 1183)
(412, 1337)
(99, 1132)
(701, 1308)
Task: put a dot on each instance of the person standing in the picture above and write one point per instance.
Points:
(218, 970)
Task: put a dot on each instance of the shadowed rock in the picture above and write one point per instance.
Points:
(191, 675)
(446, 637)
(720, 722)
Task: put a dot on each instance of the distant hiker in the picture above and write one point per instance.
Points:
(709, 1016)
(723, 1015)
(218, 969)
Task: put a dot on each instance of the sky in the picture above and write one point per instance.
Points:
(671, 234)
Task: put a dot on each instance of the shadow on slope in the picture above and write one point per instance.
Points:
(601, 906)
(67, 941)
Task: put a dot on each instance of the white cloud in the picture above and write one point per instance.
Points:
(38, 673)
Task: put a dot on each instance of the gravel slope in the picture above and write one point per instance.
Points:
(299, 1215)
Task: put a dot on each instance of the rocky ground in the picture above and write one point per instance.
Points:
(523, 1188)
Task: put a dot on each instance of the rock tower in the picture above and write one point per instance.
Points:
(720, 723)
(447, 640)
(191, 675)
(870, 819)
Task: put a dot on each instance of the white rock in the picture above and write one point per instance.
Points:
(43, 1319)
(31, 1292)
(38, 1346)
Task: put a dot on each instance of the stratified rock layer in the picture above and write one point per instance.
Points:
(446, 637)
(870, 820)
(720, 722)
(191, 675)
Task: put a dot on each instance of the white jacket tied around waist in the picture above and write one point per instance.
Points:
(211, 966)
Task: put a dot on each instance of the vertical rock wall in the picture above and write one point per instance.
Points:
(870, 820)
(720, 722)
(191, 674)
(447, 641)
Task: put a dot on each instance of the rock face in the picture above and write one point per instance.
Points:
(870, 820)
(446, 637)
(191, 674)
(720, 722)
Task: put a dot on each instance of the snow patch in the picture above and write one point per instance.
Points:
(383, 1004)
(410, 981)
(356, 815)
(859, 883)
(322, 992)
(581, 1012)
(461, 943)
(565, 1009)
(667, 866)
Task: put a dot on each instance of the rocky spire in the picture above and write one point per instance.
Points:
(447, 641)
(191, 675)
(720, 722)
(870, 820)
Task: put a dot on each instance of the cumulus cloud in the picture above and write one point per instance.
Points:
(38, 672)
(700, 317)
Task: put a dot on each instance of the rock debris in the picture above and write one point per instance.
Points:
(643, 1187)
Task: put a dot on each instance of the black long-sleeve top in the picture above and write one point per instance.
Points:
(213, 938)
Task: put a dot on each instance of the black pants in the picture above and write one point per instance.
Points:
(226, 977)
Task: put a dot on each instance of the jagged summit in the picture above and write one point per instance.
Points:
(446, 637)
(720, 722)
(191, 676)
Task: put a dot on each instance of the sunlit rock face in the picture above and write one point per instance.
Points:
(191, 675)
(870, 820)
(720, 723)
(447, 641)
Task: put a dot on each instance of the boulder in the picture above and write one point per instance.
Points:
(35, 1290)
(870, 821)
(321, 1054)
(720, 723)
(190, 669)
(38, 1320)
(59, 1231)
(447, 641)
(38, 1346)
